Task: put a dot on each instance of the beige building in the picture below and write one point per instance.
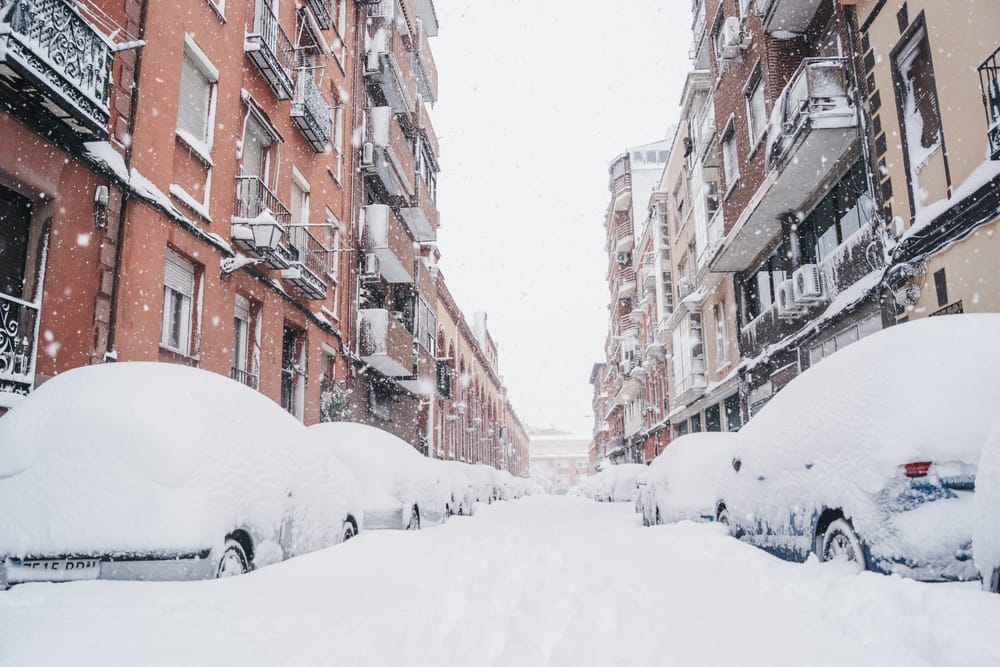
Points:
(933, 100)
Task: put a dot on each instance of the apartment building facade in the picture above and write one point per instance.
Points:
(931, 82)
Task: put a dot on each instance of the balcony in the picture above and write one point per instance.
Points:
(422, 380)
(692, 385)
(385, 344)
(311, 112)
(428, 16)
(388, 159)
(626, 282)
(308, 262)
(787, 15)
(260, 223)
(270, 50)
(621, 191)
(811, 137)
(624, 234)
(57, 64)
(18, 343)
(244, 377)
(422, 61)
(420, 213)
(321, 11)
(388, 69)
(385, 238)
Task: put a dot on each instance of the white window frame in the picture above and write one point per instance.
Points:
(200, 145)
(299, 199)
(730, 163)
(756, 126)
(721, 336)
(180, 286)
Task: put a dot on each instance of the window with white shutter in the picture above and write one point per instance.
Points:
(178, 300)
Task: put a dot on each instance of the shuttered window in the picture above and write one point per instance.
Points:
(920, 107)
(241, 338)
(178, 298)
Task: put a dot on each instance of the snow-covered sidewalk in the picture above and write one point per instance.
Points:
(540, 581)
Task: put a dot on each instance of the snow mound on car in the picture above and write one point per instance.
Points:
(986, 509)
(147, 457)
(684, 475)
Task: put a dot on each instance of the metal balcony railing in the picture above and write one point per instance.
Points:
(253, 199)
(311, 112)
(818, 88)
(309, 261)
(244, 377)
(321, 11)
(18, 341)
(52, 48)
(270, 50)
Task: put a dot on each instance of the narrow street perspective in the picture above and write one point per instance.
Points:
(538, 581)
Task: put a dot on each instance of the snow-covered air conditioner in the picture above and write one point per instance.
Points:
(907, 296)
(807, 284)
(784, 297)
(368, 154)
(417, 40)
(371, 266)
(733, 40)
(380, 118)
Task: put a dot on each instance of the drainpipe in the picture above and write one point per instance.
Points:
(123, 212)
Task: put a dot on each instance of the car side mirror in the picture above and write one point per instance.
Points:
(737, 464)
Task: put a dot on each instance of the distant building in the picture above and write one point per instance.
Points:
(559, 459)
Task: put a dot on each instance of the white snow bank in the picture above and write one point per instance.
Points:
(161, 458)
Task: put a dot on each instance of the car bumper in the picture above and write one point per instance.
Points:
(135, 567)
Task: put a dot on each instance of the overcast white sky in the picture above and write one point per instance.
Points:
(535, 99)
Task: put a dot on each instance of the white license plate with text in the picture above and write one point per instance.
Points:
(52, 569)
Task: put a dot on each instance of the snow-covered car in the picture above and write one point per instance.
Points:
(986, 513)
(461, 481)
(618, 483)
(160, 471)
(871, 454)
(490, 486)
(680, 483)
(400, 488)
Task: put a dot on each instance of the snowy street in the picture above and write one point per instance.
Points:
(539, 581)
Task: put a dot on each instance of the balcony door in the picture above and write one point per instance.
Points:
(15, 220)
(293, 371)
(18, 312)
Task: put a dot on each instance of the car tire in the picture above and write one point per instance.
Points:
(233, 561)
(995, 580)
(414, 522)
(348, 531)
(658, 521)
(841, 542)
(722, 516)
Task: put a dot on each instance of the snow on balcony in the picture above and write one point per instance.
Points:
(385, 238)
(385, 344)
(787, 16)
(311, 112)
(58, 63)
(270, 50)
(811, 135)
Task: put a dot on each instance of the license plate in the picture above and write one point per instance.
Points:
(52, 569)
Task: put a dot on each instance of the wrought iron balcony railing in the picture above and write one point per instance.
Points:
(311, 112)
(18, 340)
(244, 377)
(308, 263)
(260, 223)
(321, 10)
(60, 61)
(270, 50)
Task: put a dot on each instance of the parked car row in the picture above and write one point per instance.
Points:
(160, 471)
(886, 455)
(613, 484)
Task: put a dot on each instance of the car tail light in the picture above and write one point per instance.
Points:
(916, 469)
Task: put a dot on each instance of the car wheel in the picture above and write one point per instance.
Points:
(722, 516)
(995, 580)
(233, 561)
(841, 542)
(348, 532)
(658, 519)
(414, 522)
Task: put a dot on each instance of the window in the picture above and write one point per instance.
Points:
(721, 335)
(195, 108)
(838, 216)
(713, 418)
(680, 203)
(756, 109)
(730, 157)
(989, 81)
(257, 141)
(299, 231)
(733, 417)
(293, 371)
(243, 366)
(921, 113)
(178, 300)
(696, 423)
(759, 288)
(426, 326)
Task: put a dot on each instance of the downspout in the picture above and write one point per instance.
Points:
(123, 212)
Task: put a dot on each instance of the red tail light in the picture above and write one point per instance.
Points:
(916, 469)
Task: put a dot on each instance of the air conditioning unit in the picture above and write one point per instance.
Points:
(807, 284)
(733, 40)
(417, 39)
(368, 154)
(370, 272)
(381, 9)
(907, 296)
(683, 288)
(621, 257)
(784, 297)
(380, 119)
